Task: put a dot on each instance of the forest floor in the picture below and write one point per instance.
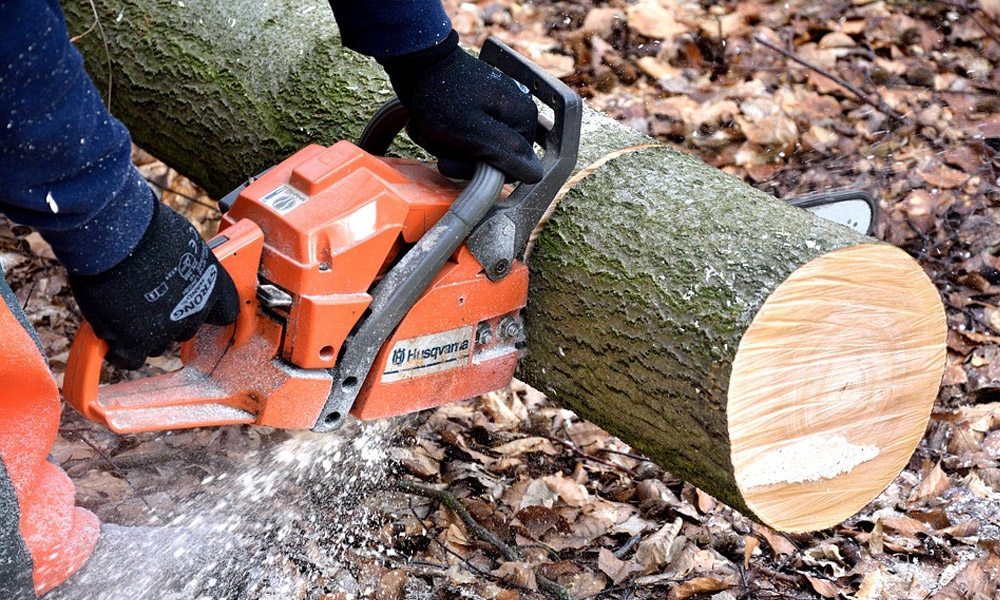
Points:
(898, 98)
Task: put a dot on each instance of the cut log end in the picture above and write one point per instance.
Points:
(833, 384)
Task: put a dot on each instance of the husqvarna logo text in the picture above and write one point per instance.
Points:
(428, 354)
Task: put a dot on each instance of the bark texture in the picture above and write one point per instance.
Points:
(643, 283)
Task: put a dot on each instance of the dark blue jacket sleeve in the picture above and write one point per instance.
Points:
(383, 28)
(65, 164)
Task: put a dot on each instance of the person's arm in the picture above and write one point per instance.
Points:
(140, 272)
(65, 165)
(384, 28)
(460, 107)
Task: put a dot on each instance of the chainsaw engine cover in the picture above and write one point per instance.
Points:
(334, 220)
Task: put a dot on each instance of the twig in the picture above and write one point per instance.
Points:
(878, 104)
(468, 564)
(114, 467)
(622, 552)
(970, 10)
(580, 453)
(987, 31)
(27, 299)
(107, 50)
(511, 553)
(628, 454)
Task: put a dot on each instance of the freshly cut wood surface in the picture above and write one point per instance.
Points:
(833, 384)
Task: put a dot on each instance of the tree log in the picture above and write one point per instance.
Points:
(783, 364)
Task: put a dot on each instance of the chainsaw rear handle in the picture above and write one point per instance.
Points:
(815, 201)
(502, 235)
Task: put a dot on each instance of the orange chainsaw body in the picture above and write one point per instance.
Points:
(305, 243)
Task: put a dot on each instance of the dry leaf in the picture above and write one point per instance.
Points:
(654, 20)
(569, 491)
(944, 177)
(539, 520)
(585, 584)
(823, 587)
(827, 556)
(419, 462)
(538, 494)
(750, 544)
(618, 570)
(526, 445)
(660, 548)
(778, 543)
(456, 539)
(905, 525)
(601, 21)
(582, 531)
(872, 586)
(39, 247)
(100, 486)
(391, 584)
(698, 585)
(979, 579)
(876, 542)
(932, 486)
(764, 122)
(706, 503)
(517, 573)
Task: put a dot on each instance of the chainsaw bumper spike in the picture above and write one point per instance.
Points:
(370, 286)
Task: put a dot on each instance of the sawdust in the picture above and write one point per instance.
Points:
(810, 458)
(309, 497)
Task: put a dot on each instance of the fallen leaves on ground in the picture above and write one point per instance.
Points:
(585, 510)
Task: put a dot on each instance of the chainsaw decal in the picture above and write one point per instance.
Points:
(197, 295)
(428, 354)
(284, 200)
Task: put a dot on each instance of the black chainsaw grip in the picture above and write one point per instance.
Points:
(387, 122)
(560, 138)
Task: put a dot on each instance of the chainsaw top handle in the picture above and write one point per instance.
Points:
(501, 237)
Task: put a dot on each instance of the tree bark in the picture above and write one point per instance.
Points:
(644, 283)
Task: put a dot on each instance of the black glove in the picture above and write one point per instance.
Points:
(162, 292)
(463, 110)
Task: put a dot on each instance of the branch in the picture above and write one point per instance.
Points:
(510, 552)
(878, 104)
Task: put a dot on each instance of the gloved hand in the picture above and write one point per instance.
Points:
(162, 292)
(463, 110)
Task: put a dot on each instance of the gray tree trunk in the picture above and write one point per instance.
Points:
(642, 284)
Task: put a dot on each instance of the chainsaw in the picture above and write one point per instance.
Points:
(369, 285)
